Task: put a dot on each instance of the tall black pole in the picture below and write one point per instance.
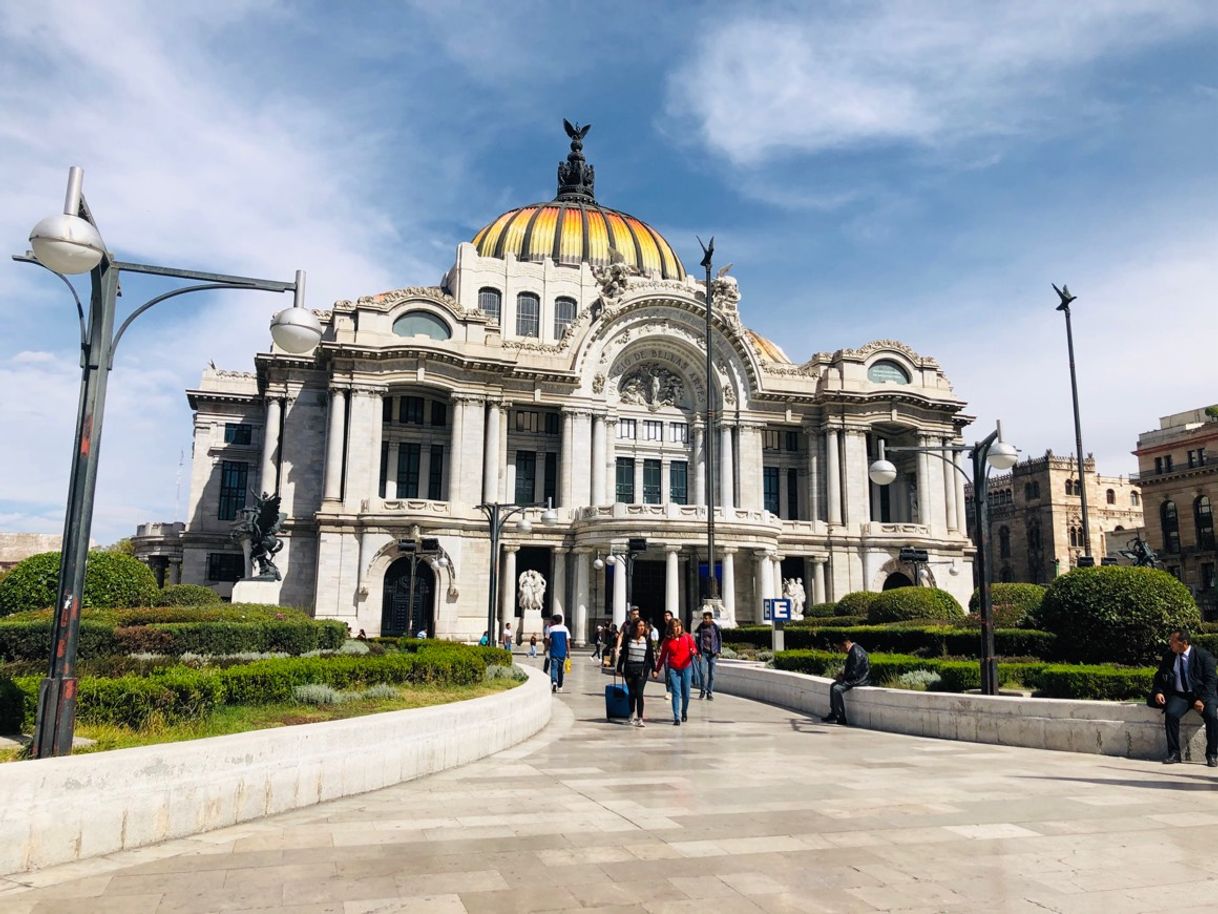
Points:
(492, 513)
(708, 442)
(1078, 429)
(989, 664)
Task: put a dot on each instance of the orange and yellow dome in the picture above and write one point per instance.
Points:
(574, 232)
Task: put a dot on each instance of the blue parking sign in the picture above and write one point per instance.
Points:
(777, 610)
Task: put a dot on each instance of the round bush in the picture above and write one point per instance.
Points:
(1015, 605)
(856, 603)
(187, 595)
(904, 603)
(1114, 614)
(111, 580)
(820, 610)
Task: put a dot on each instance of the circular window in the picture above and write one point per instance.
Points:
(422, 323)
(886, 371)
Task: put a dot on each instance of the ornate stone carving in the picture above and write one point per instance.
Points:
(598, 383)
(257, 526)
(793, 590)
(651, 386)
(532, 591)
(726, 291)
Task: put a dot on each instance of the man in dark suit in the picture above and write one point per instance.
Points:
(1187, 680)
(856, 673)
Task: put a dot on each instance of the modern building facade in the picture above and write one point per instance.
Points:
(1178, 472)
(561, 360)
(1036, 517)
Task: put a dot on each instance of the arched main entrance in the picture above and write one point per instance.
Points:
(897, 579)
(407, 609)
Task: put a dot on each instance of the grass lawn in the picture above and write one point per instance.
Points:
(241, 718)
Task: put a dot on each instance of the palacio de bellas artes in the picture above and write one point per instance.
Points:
(560, 364)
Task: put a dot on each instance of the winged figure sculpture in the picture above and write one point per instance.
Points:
(258, 526)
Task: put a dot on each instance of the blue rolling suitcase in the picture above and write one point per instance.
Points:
(617, 700)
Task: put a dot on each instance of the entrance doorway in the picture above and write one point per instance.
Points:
(646, 591)
(410, 587)
(897, 579)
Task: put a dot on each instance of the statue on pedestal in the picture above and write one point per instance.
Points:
(257, 526)
(793, 590)
(532, 591)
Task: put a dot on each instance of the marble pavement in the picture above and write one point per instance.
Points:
(747, 807)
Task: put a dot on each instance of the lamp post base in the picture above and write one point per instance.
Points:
(56, 717)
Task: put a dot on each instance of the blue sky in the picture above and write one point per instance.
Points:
(911, 170)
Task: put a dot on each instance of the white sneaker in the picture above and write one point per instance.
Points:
(638, 722)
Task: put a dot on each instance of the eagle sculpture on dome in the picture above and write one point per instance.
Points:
(576, 132)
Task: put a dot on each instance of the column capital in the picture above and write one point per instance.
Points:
(580, 411)
(764, 553)
(751, 426)
(369, 390)
(729, 550)
(583, 550)
(475, 399)
(669, 550)
(510, 547)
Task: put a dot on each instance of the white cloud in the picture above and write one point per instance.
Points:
(926, 74)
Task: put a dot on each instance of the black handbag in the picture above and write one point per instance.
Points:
(545, 665)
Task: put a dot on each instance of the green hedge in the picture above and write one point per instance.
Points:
(1083, 682)
(187, 595)
(855, 603)
(907, 603)
(819, 621)
(146, 615)
(1015, 605)
(181, 693)
(820, 610)
(927, 640)
(32, 640)
(111, 579)
(1116, 614)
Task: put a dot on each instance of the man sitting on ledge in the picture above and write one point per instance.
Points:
(1187, 678)
(856, 673)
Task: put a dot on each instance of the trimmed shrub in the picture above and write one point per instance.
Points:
(923, 640)
(917, 681)
(1015, 605)
(12, 707)
(856, 603)
(1115, 614)
(318, 695)
(111, 579)
(905, 603)
(1108, 683)
(820, 610)
(187, 595)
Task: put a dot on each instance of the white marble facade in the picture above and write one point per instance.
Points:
(422, 403)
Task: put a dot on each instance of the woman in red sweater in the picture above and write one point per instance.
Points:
(678, 652)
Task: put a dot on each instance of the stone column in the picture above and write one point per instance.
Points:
(619, 591)
(490, 456)
(582, 596)
(763, 585)
(269, 480)
(699, 468)
(776, 587)
(610, 460)
(923, 471)
(558, 584)
(599, 459)
(961, 501)
(336, 432)
(666, 480)
(729, 588)
(364, 448)
(749, 467)
(507, 481)
(175, 571)
(378, 431)
(818, 580)
(727, 472)
(638, 480)
(581, 448)
(564, 459)
(949, 487)
(833, 473)
(814, 439)
(672, 573)
(455, 449)
(507, 592)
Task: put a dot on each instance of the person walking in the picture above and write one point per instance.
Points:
(1187, 679)
(709, 636)
(665, 633)
(597, 636)
(507, 636)
(606, 645)
(634, 663)
(626, 630)
(485, 640)
(558, 643)
(678, 655)
(533, 645)
(857, 673)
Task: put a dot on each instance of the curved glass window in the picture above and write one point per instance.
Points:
(1170, 521)
(1203, 514)
(489, 302)
(564, 315)
(422, 323)
(528, 314)
(886, 371)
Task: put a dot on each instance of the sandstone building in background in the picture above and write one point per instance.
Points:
(1036, 517)
(561, 360)
(1178, 473)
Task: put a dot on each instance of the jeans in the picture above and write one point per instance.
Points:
(1177, 706)
(837, 700)
(706, 669)
(556, 669)
(678, 684)
(634, 686)
(532, 650)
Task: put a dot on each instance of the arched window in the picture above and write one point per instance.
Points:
(1004, 542)
(564, 315)
(528, 314)
(1171, 526)
(1203, 515)
(489, 302)
(1110, 496)
(1073, 537)
(886, 371)
(1069, 486)
(422, 323)
(1135, 499)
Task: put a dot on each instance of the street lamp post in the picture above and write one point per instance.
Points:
(69, 243)
(708, 436)
(991, 451)
(1066, 298)
(497, 515)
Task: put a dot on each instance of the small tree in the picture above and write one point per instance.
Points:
(111, 580)
(1015, 605)
(902, 604)
(1113, 614)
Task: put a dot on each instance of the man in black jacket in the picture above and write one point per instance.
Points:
(856, 673)
(1187, 679)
